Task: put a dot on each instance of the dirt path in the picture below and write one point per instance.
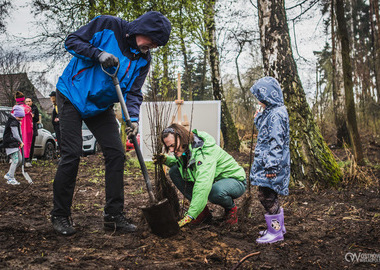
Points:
(321, 229)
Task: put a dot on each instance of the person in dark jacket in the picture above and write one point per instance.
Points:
(12, 142)
(55, 118)
(86, 93)
(36, 119)
(271, 167)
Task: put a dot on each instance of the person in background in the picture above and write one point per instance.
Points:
(36, 119)
(271, 166)
(55, 118)
(86, 93)
(26, 124)
(203, 172)
(12, 142)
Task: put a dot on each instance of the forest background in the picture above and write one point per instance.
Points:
(221, 48)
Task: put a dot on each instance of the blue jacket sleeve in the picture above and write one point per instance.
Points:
(134, 97)
(80, 43)
(276, 132)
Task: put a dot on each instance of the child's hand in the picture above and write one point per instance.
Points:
(21, 145)
(270, 175)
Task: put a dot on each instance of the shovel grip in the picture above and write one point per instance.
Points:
(134, 139)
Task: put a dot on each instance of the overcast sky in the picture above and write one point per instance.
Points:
(309, 33)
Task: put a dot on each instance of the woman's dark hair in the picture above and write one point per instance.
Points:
(19, 94)
(180, 132)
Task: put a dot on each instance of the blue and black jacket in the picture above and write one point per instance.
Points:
(84, 83)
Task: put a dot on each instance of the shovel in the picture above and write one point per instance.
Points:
(159, 215)
(25, 174)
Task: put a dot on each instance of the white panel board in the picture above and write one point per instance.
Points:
(202, 115)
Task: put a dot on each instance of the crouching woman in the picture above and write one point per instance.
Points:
(202, 171)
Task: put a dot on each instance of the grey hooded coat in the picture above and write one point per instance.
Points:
(272, 150)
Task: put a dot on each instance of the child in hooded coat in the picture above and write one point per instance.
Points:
(12, 141)
(271, 167)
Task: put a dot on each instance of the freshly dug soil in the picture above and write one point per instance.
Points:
(322, 228)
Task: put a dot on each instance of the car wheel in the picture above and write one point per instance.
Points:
(49, 150)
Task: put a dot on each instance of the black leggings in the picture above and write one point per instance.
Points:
(269, 199)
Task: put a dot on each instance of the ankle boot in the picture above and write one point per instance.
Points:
(231, 216)
(261, 233)
(274, 229)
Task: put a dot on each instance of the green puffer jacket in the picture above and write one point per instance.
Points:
(207, 164)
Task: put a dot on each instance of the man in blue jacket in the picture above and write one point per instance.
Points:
(85, 92)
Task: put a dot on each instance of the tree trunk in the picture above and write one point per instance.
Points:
(375, 28)
(337, 88)
(312, 160)
(165, 77)
(204, 71)
(230, 136)
(185, 61)
(348, 84)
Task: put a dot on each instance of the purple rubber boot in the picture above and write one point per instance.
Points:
(274, 231)
(261, 233)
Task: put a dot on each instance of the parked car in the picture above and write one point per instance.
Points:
(45, 145)
(129, 145)
(90, 145)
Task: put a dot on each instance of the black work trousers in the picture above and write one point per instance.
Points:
(106, 131)
(31, 153)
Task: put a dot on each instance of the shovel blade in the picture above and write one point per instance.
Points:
(26, 175)
(160, 218)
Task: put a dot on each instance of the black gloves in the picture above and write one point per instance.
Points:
(108, 60)
(133, 130)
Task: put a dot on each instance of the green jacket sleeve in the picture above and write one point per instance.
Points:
(205, 167)
(170, 161)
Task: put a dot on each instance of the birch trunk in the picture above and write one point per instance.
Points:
(312, 160)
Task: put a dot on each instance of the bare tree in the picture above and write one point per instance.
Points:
(312, 160)
(159, 112)
(12, 64)
(5, 6)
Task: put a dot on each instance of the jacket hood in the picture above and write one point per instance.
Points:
(152, 24)
(207, 139)
(268, 91)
